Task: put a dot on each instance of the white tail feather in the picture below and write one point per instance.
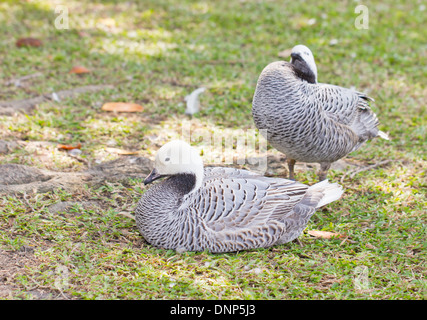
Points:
(383, 135)
(331, 191)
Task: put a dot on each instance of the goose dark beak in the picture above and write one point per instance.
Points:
(154, 175)
(295, 56)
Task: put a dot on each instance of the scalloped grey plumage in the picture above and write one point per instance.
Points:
(233, 210)
(311, 122)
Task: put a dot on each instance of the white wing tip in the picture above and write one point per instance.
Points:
(332, 192)
(383, 135)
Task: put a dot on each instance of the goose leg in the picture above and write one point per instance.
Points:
(291, 164)
(324, 167)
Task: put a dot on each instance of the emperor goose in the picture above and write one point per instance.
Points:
(222, 209)
(307, 120)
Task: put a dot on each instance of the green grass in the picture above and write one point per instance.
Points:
(155, 53)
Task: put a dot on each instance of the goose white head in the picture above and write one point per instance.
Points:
(174, 158)
(303, 60)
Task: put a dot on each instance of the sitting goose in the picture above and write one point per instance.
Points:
(307, 120)
(222, 209)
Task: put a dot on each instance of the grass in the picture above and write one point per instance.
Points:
(155, 53)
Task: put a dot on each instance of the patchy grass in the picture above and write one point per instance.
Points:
(155, 53)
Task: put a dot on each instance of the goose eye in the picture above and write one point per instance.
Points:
(167, 159)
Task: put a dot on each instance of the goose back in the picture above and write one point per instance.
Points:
(310, 122)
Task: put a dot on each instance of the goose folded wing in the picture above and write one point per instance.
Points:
(343, 103)
(348, 107)
(243, 212)
(216, 172)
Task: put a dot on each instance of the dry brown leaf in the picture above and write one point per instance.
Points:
(122, 107)
(28, 42)
(285, 53)
(121, 151)
(79, 70)
(68, 147)
(324, 234)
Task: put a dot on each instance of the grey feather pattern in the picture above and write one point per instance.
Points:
(311, 122)
(233, 210)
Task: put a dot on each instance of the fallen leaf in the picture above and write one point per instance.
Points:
(28, 42)
(68, 147)
(121, 151)
(285, 53)
(324, 234)
(122, 107)
(79, 70)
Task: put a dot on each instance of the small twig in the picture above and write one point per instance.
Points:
(343, 241)
(177, 84)
(26, 201)
(127, 214)
(299, 242)
(220, 62)
(62, 293)
(346, 239)
(80, 159)
(372, 166)
(17, 81)
(25, 105)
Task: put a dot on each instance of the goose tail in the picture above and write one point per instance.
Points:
(383, 135)
(324, 192)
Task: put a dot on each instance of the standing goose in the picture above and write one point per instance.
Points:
(307, 120)
(222, 209)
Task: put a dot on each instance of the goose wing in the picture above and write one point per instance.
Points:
(348, 107)
(227, 172)
(243, 210)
